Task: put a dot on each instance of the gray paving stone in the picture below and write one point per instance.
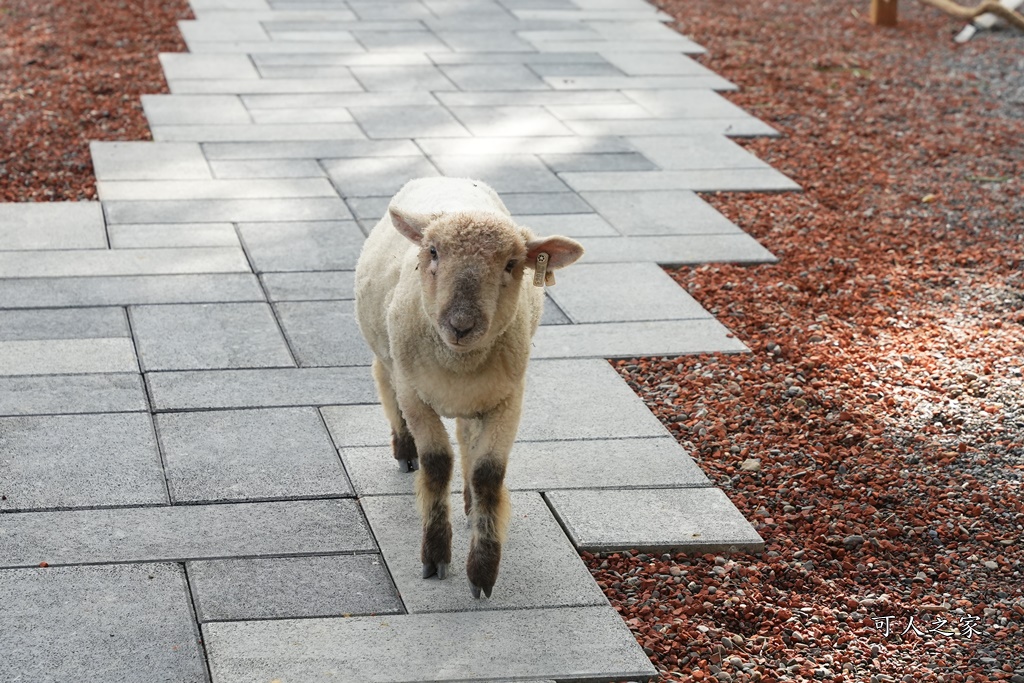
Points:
(404, 122)
(544, 203)
(648, 212)
(119, 291)
(506, 77)
(52, 225)
(539, 567)
(320, 286)
(538, 98)
(218, 31)
(56, 394)
(63, 323)
(114, 623)
(576, 643)
(293, 116)
(599, 112)
(684, 104)
(178, 65)
(74, 461)
(259, 388)
(171, 110)
(634, 339)
(263, 86)
(322, 149)
(323, 333)
(534, 465)
(408, 99)
(206, 336)
(227, 210)
(184, 532)
(707, 82)
(214, 189)
(257, 132)
(629, 161)
(448, 58)
(570, 225)
(274, 47)
(746, 126)
(509, 121)
(324, 36)
(599, 68)
(292, 587)
(552, 314)
(249, 455)
(484, 41)
(401, 78)
(621, 292)
(67, 356)
(692, 152)
(268, 168)
(736, 180)
(651, 47)
(504, 173)
(148, 161)
(640, 64)
(389, 10)
(694, 520)
(523, 145)
(677, 249)
(399, 41)
(302, 245)
(380, 176)
(121, 262)
(342, 59)
(369, 208)
(170, 235)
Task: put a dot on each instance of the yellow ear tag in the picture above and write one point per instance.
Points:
(541, 276)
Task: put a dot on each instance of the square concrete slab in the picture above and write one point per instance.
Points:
(401, 78)
(685, 104)
(55, 264)
(628, 161)
(358, 425)
(184, 532)
(177, 110)
(530, 203)
(504, 173)
(539, 567)
(378, 177)
(148, 161)
(326, 285)
(56, 394)
(119, 291)
(509, 121)
(484, 41)
(657, 462)
(574, 643)
(570, 225)
(302, 245)
(323, 333)
(694, 520)
(178, 65)
(552, 314)
(292, 587)
(696, 152)
(67, 356)
(130, 623)
(249, 455)
(72, 461)
(635, 339)
(164, 235)
(659, 213)
(258, 388)
(494, 77)
(63, 323)
(405, 122)
(599, 292)
(202, 336)
(399, 41)
(52, 225)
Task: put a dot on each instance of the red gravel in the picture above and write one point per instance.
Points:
(883, 400)
(71, 72)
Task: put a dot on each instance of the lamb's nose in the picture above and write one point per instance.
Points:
(461, 332)
(461, 325)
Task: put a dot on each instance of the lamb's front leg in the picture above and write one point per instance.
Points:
(432, 483)
(490, 506)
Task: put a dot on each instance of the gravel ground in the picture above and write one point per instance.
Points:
(71, 72)
(875, 437)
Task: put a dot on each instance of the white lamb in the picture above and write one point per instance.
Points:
(442, 300)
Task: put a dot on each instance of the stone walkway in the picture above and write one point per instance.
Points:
(189, 437)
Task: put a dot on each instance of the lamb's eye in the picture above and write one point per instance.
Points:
(510, 266)
(433, 254)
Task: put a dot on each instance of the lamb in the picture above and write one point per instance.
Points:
(443, 302)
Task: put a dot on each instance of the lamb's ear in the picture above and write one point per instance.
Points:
(410, 225)
(561, 251)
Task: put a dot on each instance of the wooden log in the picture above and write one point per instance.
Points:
(883, 12)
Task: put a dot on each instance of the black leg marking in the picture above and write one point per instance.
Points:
(436, 549)
(404, 448)
(482, 566)
(485, 550)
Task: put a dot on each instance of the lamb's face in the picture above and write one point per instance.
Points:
(471, 268)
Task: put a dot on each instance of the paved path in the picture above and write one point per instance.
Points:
(189, 437)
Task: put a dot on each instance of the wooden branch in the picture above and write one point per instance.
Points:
(970, 13)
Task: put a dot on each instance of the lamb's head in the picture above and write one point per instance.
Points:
(471, 268)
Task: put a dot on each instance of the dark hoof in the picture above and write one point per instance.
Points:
(408, 465)
(482, 565)
(475, 590)
(429, 569)
(441, 569)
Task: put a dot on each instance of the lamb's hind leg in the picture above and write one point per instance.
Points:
(432, 483)
(402, 444)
